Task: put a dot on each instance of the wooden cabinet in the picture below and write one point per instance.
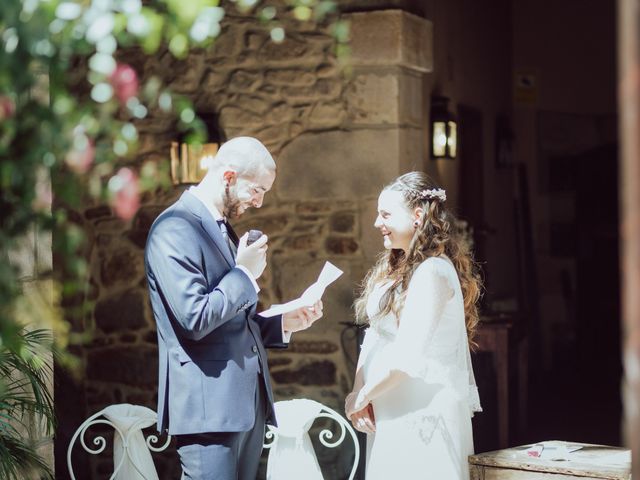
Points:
(507, 344)
(596, 462)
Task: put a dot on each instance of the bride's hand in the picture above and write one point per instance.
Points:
(364, 420)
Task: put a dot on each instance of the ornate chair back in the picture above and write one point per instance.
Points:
(291, 453)
(131, 451)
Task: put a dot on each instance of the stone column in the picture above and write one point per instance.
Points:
(382, 135)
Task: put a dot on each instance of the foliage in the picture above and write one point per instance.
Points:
(68, 138)
(26, 405)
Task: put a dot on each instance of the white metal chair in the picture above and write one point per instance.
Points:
(131, 451)
(291, 454)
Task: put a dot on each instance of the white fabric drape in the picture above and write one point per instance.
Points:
(130, 420)
(291, 456)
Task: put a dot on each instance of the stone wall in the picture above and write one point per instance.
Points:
(337, 139)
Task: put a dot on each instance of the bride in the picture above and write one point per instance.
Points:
(414, 391)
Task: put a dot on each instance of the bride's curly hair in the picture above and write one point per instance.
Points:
(436, 235)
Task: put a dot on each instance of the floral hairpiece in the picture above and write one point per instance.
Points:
(436, 193)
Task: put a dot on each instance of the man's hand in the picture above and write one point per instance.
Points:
(254, 256)
(364, 420)
(302, 318)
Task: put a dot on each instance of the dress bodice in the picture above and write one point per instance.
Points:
(385, 326)
(428, 339)
(423, 424)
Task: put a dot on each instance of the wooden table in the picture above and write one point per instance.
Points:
(498, 335)
(593, 462)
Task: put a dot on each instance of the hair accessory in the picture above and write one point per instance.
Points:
(436, 193)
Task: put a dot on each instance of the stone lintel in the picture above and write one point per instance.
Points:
(391, 37)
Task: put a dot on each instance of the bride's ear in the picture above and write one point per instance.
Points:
(417, 216)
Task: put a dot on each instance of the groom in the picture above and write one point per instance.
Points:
(214, 392)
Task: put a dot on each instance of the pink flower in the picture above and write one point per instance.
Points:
(80, 159)
(7, 107)
(124, 81)
(125, 193)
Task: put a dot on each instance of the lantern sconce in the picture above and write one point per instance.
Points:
(444, 130)
(187, 160)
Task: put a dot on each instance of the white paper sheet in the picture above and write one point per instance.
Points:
(329, 274)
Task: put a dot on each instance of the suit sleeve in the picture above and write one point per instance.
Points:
(271, 330)
(175, 266)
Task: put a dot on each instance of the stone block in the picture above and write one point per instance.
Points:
(391, 37)
(100, 211)
(278, 361)
(254, 103)
(291, 51)
(215, 80)
(190, 74)
(341, 245)
(312, 346)
(121, 312)
(254, 40)
(123, 266)
(290, 77)
(235, 116)
(273, 137)
(142, 223)
(323, 89)
(321, 373)
(131, 366)
(411, 142)
(388, 96)
(321, 206)
(327, 115)
(333, 164)
(271, 225)
(278, 114)
(301, 242)
(244, 81)
(342, 222)
(229, 43)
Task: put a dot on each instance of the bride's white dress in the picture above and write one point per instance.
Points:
(423, 426)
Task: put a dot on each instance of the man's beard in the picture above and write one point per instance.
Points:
(230, 204)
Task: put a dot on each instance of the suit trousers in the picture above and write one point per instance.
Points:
(225, 455)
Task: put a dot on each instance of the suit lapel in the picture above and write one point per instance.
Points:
(196, 207)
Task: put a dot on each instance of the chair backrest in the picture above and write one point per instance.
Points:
(295, 417)
(131, 451)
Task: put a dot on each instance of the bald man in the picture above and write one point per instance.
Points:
(214, 393)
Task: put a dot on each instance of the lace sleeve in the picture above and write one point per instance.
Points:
(370, 337)
(428, 294)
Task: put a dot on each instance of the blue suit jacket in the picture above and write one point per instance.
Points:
(211, 342)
